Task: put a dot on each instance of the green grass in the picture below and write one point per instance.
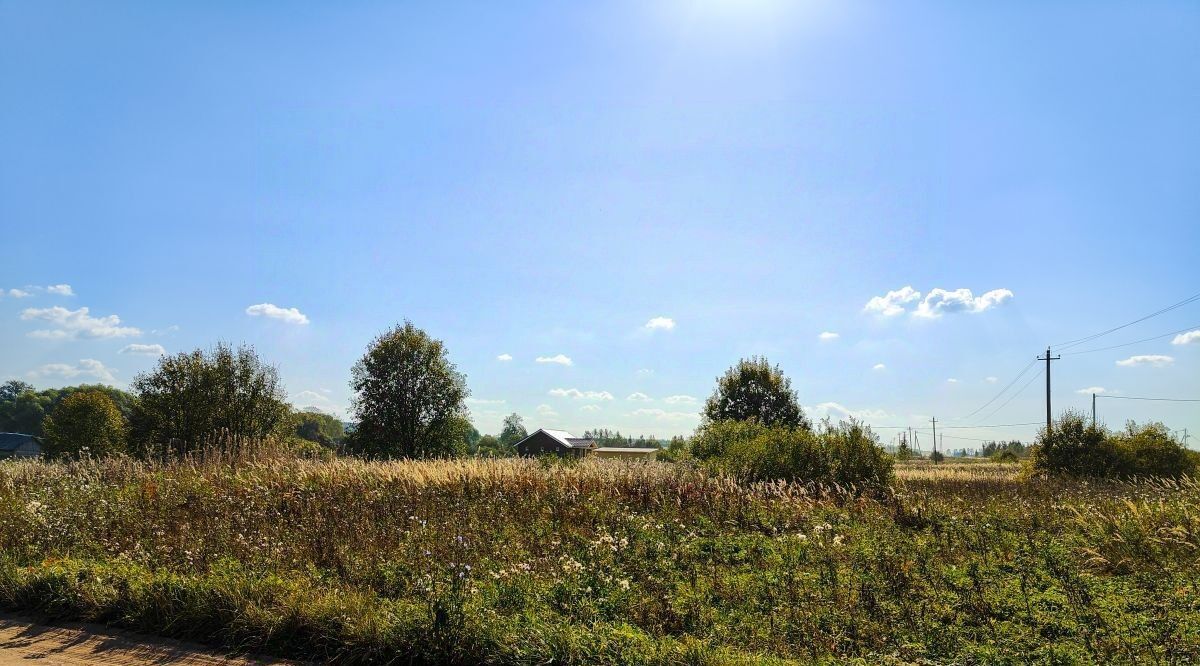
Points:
(513, 562)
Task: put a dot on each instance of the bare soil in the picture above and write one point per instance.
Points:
(26, 643)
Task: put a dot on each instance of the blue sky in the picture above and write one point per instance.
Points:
(543, 180)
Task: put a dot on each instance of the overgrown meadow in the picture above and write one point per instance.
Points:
(525, 562)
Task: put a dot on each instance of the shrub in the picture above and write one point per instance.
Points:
(84, 421)
(197, 400)
(1150, 450)
(846, 453)
(1075, 447)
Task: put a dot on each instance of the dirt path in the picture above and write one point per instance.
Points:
(25, 643)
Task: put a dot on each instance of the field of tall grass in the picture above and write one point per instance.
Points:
(524, 562)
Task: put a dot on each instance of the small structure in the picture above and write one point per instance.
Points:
(17, 445)
(626, 452)
(562, 443)
(556, 442)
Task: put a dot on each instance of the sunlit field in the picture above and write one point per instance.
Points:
(519, 561)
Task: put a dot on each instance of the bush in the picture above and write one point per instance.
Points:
(844, 453)
(195, 401)
(84, 421)
(1076, 447)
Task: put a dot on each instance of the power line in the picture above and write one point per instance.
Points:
(1130, 397)
(1135, 342)
(1071, 343)
(974, 427)
(1013, 396)
(1002, 391)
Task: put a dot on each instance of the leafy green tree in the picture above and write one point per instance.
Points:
(512, 432)
(12, 388)
(319, 427)
(195, 400)
(22, 408)
(755, 390)
(409, 397)
(85, 421)
(488, 446)
(25, 412)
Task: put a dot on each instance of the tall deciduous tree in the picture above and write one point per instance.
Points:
(194, 400)
(512, 432)
(755, 390)
(409, 397)
(84, 421)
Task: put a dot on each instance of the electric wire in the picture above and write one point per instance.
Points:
(1002, 391)
(1071, 343)
(1014, 396)
(1130, 397)
(1135, 342)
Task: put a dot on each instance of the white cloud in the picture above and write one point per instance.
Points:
(143, 350)
(504, 357)
(828, 336)
(991, 380)
(1093, 389)
(483, 401)
(645, 372)
(73, 324)
(60, 290)
(590, 408)
(680, 400)
(638, 396)
(560, 359)
(272, 311)
(664, 415)
(19, 293)
(879, 367)
(546, 410)
(581, 395)
(940, 301)
(1187, 338)
(660, 324)
(892, 303)
(1154, 360)
(952, 381)
(88, 367)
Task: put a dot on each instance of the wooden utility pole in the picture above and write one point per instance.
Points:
(934, 421)
(1049, 415)
(1093, 410)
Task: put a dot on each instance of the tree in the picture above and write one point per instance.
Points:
(512, 432)
(319, 427)
(194, 400)
(84, 421)
(754, 389)
(409, 397)
(488, 446)
(12, 388)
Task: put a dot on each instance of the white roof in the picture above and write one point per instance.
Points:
(565, 438)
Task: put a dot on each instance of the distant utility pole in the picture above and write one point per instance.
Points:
(1093, 410)
(934, 421)
(1049, 416)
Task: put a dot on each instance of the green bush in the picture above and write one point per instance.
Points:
(85, 422)
(1076, 447)
(844, 453)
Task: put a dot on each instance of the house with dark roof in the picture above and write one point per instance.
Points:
(554, 442)
(562, 443)
(17, 445)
